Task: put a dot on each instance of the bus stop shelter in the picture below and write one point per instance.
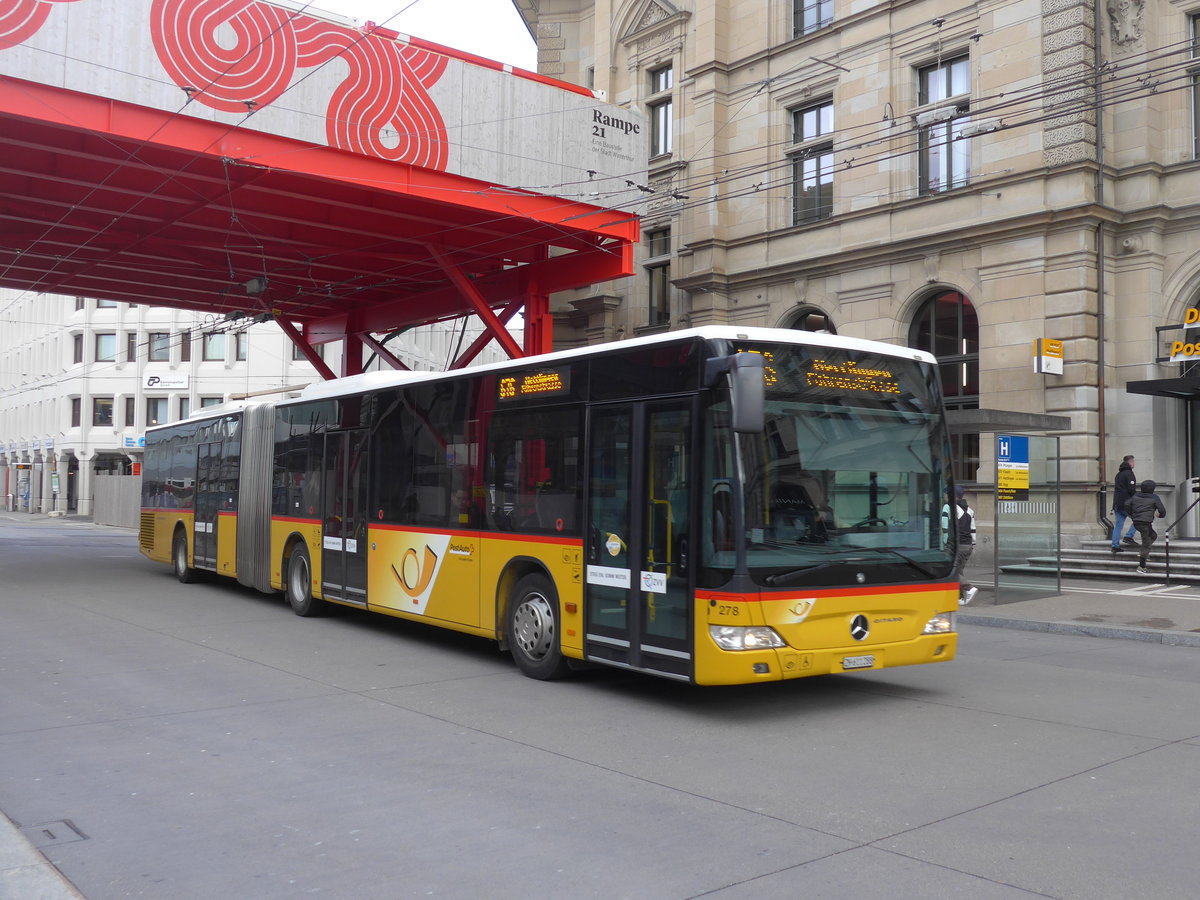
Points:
(1025, 499)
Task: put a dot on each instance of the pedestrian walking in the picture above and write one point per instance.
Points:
(1124, 488)
(1143, 508)
(964, 518)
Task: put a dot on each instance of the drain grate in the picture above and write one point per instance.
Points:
(50, 834)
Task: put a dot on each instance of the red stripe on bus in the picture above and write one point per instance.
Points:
(826, 592)
(492, 535)
(296, 520)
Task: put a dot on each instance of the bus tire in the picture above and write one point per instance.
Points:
(298, 585)
(533, 629)
(185, 573)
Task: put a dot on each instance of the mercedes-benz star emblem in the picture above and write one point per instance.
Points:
(860, 628)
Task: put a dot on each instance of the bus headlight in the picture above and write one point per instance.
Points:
(942, 623)
(733, 637)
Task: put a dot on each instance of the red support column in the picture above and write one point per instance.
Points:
(539, 325)
(383, 352)
(305, 348)
(352, 355)
(477, 301)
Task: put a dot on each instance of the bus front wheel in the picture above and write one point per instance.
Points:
(183, 571)
(299, 584)
(533, 633)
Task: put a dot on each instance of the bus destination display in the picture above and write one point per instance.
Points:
(849, 377)
(543, 383)
(844, 376)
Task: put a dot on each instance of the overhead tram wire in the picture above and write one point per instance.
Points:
(874, 158)
(764, 169)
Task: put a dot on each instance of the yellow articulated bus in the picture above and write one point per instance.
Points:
(716, 506)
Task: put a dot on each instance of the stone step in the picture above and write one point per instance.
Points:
(1157, 572)
(1106, 559)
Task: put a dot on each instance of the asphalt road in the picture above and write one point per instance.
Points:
(199, 741)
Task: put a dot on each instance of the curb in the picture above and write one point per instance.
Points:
(1115, 632)
(25, 871)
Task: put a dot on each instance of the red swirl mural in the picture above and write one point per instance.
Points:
(20, 19)
(241, 54)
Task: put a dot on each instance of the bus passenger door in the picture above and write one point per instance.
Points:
(344, 517)
(207, 505)
(638, 544)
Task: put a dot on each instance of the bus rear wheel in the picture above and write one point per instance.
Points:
(185, 573)
(533, 632)
(299, 584)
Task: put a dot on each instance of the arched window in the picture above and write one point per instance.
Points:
(813, 319)
(946, 326)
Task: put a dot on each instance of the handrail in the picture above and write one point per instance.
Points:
(1167, 539)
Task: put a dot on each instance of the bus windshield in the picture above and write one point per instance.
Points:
(845, 484)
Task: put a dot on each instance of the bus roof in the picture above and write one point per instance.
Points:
(369, 381)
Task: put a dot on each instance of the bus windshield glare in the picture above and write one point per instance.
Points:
(844, 485)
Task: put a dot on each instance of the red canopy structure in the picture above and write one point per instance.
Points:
(106, 198)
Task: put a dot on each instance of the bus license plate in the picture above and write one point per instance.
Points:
(858, 662)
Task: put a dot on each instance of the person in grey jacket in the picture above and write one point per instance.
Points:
(1143, 507)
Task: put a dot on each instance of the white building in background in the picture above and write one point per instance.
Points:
(82, 379)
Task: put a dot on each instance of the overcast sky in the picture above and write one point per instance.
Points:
(490, 28)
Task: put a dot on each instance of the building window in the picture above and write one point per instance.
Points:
(206, 402)
(185, 407)
(812, 162)
(80, 302)
(239, 346)
(77, 348)
(185, 346)
(660, 106)
(76, 412)
(160, 346)
(129, 422)
(1195, 77)
(658, 275)
(102, 411)
(810, 15)
(214, 347)
(106, 347)
(944, 98)
(319, 349)
(946, 326)
(131, 346)
(106, 304)
(156, 411)
(814, 320)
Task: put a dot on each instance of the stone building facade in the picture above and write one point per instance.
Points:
(963, 177)
(82, 379)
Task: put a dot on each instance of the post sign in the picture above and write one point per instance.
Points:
(1012, 467)
(1048, 356)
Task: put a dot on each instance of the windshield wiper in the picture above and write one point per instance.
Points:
(783, 577)
(904, 556)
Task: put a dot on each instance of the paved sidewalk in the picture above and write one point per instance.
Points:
(25, 874)
(1120, 608)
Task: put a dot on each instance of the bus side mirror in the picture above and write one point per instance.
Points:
(747, 388)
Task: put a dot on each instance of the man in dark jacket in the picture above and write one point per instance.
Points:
(1142, 508)
(1125, 487)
